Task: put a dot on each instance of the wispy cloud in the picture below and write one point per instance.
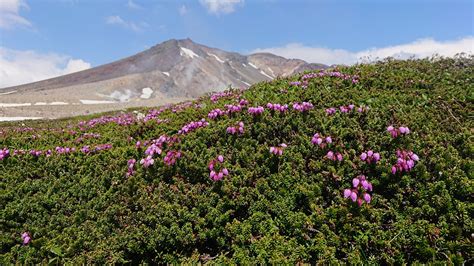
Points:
(183, 10)
(129, 25)
(221, 6)
(131, 4)
(10, 14)
(419, 49)
(20, 67)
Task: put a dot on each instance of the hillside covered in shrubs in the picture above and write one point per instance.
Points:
(363, 164)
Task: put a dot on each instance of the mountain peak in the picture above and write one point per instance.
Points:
(174, 70)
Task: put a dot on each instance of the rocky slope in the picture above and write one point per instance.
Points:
(169, 72)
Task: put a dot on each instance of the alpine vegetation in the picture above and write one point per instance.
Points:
(368, 164)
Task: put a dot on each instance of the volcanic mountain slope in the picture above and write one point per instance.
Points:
(172, 71)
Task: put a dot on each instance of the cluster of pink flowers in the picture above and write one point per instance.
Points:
(26, 238)
(359, 192)
(153, 114)
(171, 157)
(239, 128)
(58, 150)
(405, 162)
(217, 171)
(370, 156)
(216, 96)
(64, 150)
(147, 161)
(302, 107)
(243, 102)
(153, 149)
(346, 109)
(320, 140)
(277, 107)
(395, 132)
(35, 153)
(334, 156)
(233, 108)
(87, 136)
(363, 109)
(156, 147)
(176, 108)
(159, 141)
(256, 110)
(303, 84)
(130, 167)
(123, 120)
(213, 114)
(193, 126)
(86, 149)
(278, 150)
(101, 147)
(330, 111)
(4, 153)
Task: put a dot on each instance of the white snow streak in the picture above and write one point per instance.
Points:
(187, 52)
(216, 57)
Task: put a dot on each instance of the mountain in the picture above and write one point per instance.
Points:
(169, 72)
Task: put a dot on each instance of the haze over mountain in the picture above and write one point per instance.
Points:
(169, 72)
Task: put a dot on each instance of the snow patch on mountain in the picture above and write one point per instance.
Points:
(146, 93)
(187, 52)
(216, 57)
(252, 65)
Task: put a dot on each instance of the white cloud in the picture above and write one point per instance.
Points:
(20, 67)
(130, 25)
(183, 10)
(10, 14)
(131, 4)
(419, 49)
(221, 6)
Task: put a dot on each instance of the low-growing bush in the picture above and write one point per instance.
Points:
(364, 164)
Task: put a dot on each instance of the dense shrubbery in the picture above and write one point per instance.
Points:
(277, 194)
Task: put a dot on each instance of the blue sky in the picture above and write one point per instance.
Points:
(69, 35)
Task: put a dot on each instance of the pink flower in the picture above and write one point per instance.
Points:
(4, 153)
(370, 156)
(215, 174)
(321, 141)
(353, 196)
(255, 110)
(302, 107)
(213, 114)
(395, 132)
(394, 169)
(355, 182)
(243, 102)
(225, 171)
(25, 236)
(239, 128)
(330, 111)
(278, 150)
(361, 186)
(367, 197)
(146, 162)
(405, 161)
(330, 155)
(347, 193)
